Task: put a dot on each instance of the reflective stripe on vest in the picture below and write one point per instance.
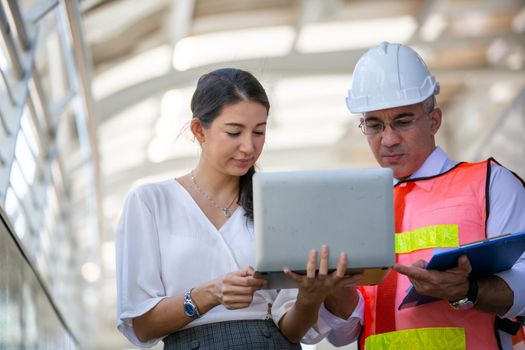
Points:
(438, 236)
(450, 338)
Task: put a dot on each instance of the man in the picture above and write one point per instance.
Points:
(438, 203)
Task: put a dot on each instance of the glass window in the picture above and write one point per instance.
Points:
(17, 181)
(14, 211)
(4, 78)
(50, 61)
(4, 101)
(25, 157)
(3, 57)
(11, 204)
(6, 143)
(25, 5)
(29, 130)
(38, 103)
(51, 213)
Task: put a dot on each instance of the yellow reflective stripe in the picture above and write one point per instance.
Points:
(440, 236)
(450, 338)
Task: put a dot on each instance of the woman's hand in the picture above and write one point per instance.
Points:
(344, 299)
(315, 287)
(235, 290)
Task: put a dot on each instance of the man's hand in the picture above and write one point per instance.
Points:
(451, 284)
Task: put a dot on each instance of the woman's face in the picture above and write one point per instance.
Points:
(235, 139)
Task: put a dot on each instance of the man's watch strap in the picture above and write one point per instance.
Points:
(472, 296)
(473, 289)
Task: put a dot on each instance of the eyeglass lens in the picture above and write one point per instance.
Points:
(371, 127)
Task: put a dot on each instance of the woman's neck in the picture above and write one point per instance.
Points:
(216, 184)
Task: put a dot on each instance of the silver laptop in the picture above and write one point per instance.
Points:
(350, 210)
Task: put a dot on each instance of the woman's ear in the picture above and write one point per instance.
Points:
(197, 130)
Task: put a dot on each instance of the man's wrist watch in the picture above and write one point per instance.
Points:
(470, 300)
(190, 309)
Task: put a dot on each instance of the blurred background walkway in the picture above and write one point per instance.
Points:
(94, 97)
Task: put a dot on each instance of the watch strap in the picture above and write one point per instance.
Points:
(473, 289)
(470, 299)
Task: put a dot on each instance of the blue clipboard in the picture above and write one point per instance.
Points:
(486, 257)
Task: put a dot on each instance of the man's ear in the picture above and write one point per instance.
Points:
(197, 130)
(435, 120)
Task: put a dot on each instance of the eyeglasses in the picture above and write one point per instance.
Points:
(402, 124)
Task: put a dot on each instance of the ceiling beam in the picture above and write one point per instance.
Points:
(341, 62)
(180, 19)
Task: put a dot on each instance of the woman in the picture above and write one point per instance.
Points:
(185, 246)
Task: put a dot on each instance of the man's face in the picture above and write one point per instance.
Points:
(406, 149)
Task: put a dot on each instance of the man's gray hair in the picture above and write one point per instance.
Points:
(429, 104)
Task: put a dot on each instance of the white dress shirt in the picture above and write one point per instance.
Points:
(166, 245)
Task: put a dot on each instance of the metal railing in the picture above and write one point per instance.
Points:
(49, 182)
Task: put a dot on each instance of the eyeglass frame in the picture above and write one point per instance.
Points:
(413, 122)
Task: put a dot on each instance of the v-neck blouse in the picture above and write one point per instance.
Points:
(166, 245)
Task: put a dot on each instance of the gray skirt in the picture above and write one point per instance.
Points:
(231, 335)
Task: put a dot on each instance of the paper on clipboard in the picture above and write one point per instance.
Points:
(486, 257)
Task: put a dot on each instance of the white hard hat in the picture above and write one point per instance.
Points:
(387, 76)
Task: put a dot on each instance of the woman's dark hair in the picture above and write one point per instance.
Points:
(220, 88)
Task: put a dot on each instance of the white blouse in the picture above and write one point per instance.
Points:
(166, 245)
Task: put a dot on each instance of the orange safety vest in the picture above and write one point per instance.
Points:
(446, 210)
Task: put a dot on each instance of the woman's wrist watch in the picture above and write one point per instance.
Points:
(470, 300)
(190, 309)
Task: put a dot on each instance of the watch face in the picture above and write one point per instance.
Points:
(468, 305)
(189, 310)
